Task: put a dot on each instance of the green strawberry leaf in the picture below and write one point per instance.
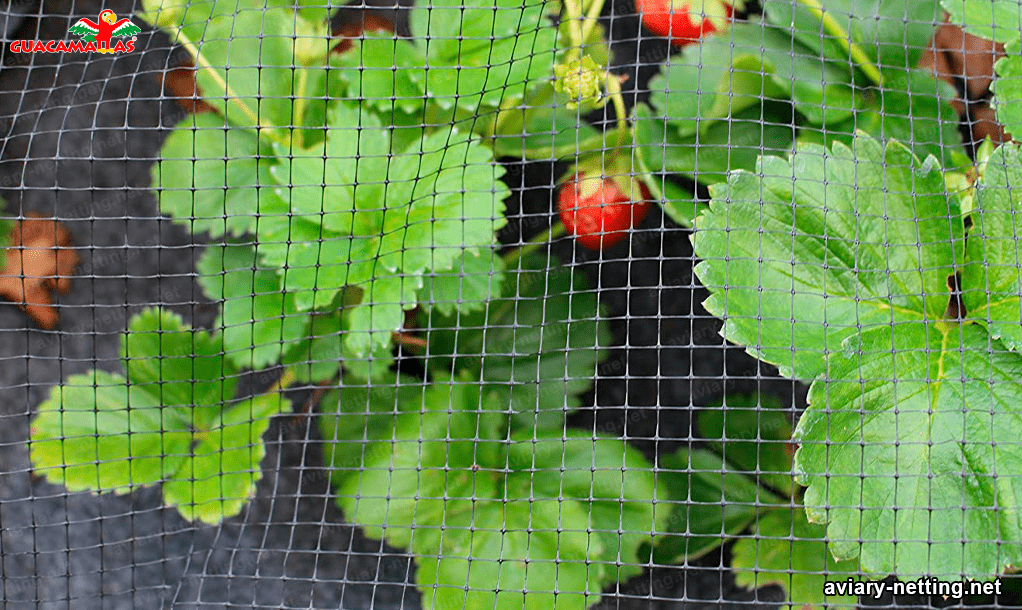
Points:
(317, 356)
(441, 201)
(351, 162)
(259, 321)
(788, 551)
(483, 52)
(703, 85)
(444, 197)
(162, 422)
(614, 480)
(207, 175)
(384, 72)
(177, 365)
(755, 63)
(357, 419)
(1007, 88)
(539, 344)
(910, 415)
(726, 145)
(250, 78)
(893, 33)
(709, 502)
(221, 474)
(381, 313)
(522, 554)
(754, 436)
(837, 239)
(486, 527)
(399, 491)
(931, 130)
(991, 281)
(907, 438)
(469, 286)
(999, 20)
(87, 439)
(915, 108)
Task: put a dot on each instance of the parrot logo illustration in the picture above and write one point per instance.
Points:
(99, 33)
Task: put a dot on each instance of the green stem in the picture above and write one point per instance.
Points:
(614, 91)
(573, 13)
(507, 108)
(528, 107)
(844, 39)
(203, 63)
(537, 242)
(643, 170)
(590, 20)
(298, 133)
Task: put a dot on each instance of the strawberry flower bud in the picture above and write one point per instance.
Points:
(581, 80)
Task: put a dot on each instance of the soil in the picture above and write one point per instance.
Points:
(78, 140)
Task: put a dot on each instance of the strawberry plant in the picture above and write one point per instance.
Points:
(333, 219)
(350, 194)
(172, 419)
(350, 204)
(744, 481)
(837, 266)
(774, 81)
(459, 470)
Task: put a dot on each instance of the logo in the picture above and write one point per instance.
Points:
(96, 37)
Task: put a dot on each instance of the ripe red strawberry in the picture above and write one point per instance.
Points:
(685, 21)
(598, 212)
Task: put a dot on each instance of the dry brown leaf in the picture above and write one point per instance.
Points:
(37, 262)
(956, 57)
(970, 58)
(179, 83)
(984, 125)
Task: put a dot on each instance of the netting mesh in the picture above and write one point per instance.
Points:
(470, 304)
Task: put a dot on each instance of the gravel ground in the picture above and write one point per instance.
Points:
(79, 139)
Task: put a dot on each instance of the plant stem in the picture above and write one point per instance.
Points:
(537, 242)
(300, 104)
(844, 39)
(614, 91)
(643, 170)
(573, 13)
(203, 63)
(590, 21)
(527, 106)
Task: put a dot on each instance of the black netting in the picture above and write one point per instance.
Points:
(487, 304)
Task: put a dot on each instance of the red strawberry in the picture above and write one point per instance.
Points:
(685, 21)
(598, 212)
